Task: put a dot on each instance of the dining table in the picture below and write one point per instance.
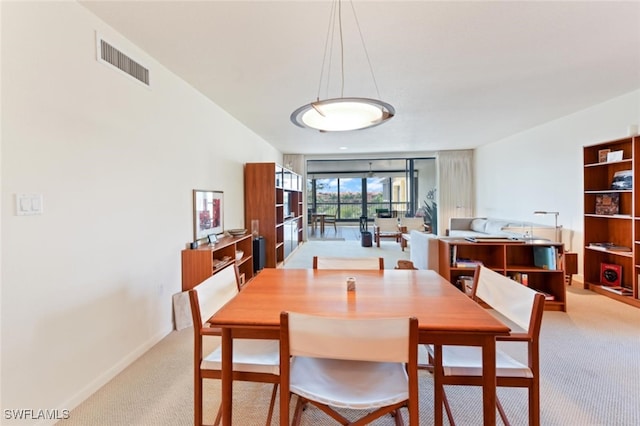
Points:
(446, 316)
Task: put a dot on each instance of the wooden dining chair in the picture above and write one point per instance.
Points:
(254, 360)
(331, 262)
(336, 363)
(330, 219)
(522, 308)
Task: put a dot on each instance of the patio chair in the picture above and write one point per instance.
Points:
(386, 228)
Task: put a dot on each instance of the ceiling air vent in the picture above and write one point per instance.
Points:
(108, 54)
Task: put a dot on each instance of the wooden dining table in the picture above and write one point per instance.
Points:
(445, 315)
(315, 217)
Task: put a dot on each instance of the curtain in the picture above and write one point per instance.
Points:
(455, 187)
(295, 163)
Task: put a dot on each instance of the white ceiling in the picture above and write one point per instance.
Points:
(460, 74)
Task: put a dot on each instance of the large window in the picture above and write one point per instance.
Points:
(354, 188)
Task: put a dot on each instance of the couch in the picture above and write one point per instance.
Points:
(424, 250)
(463, 227)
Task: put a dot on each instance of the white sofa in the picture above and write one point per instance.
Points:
(424, 250)
(463, 227)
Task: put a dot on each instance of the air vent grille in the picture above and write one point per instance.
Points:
(113, 56)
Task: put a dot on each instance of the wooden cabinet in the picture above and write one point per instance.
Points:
(199, 264)
(612, 219)
(457, 258)
(273, 197)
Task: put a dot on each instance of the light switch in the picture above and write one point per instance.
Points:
(28, 204)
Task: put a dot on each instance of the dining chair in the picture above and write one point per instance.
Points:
(332, 262)
(330, 219)
(254, 360)
(386, 227)
(337, 364)
(405, 264)
(521, 308)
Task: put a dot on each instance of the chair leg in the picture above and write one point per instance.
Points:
(503, 415)
(397, 415)
(297, 414)
(218, 416)
(197, 401)
(272, 404)
(447, 408)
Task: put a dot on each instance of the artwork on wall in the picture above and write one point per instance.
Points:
(208, 213)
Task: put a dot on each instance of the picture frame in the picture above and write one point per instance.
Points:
(607, 203)
(208, 213)
(602, 155)
(614, 156)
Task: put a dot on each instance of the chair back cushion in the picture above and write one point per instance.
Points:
(215, 291)
(371, 339)
(328, 262)
(387, 224)
(508, 297)
(412, 223)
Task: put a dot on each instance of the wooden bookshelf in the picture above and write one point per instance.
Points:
(457, 258)
(273, 197)
(200, 263)
(619, 227)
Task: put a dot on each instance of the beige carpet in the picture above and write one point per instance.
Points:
(590, 362)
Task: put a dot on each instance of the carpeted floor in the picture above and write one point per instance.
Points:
(590, 365)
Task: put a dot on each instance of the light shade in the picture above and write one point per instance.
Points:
(342, 114)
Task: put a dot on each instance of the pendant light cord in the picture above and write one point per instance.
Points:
(336, 14)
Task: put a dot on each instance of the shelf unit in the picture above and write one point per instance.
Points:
(198, 264)
(621, 229)
(273, 197)
(508, 258)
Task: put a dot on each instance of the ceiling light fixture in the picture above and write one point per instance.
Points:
(342, 113)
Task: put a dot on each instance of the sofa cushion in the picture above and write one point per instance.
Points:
(495, 226)
(479, 225)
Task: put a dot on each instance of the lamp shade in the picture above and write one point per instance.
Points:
(342, 114)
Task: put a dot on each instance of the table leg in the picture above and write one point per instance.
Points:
(489, 380)
(227, 376)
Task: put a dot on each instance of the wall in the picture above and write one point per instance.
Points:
(87, 285)
(541, 169)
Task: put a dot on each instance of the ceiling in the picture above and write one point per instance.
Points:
(459, 74)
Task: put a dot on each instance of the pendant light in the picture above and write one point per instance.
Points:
(342, 113)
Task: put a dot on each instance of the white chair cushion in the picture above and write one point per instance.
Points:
(467, 361)
(349, 384)
(249, 355)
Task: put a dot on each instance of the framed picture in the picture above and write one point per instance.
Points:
(208, 213)
(607, 204)
(614, 156)
(602, 155)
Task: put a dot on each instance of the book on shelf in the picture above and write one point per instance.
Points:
(467, 263)
(521, 278)
(622, 291)
(547, 296)
(545, 257)
(608, 246)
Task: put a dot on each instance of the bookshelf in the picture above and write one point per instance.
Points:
(273, 197)
(458, 257)
(200, 263)
(612, 226)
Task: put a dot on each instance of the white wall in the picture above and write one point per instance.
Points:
(87, 285)
(541, 169)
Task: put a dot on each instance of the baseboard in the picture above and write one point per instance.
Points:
(105, 377)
